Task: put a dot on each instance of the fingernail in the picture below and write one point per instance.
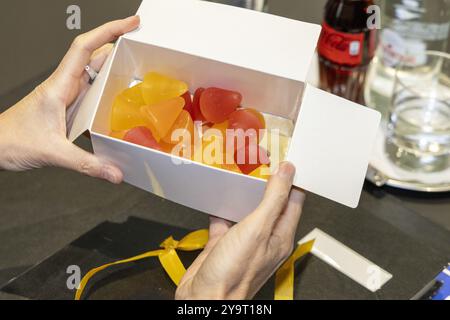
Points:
(286, 170)
(133, 17)
(110, 175)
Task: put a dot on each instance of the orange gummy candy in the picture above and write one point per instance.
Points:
(160, 117)
(118, 134)
(157, 88)
(184, 124)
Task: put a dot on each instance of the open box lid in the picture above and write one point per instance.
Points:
(241, 37)
(331, 145)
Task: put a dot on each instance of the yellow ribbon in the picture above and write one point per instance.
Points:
(167, 256)
(284, 278)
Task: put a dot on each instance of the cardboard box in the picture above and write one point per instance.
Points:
(264, 57)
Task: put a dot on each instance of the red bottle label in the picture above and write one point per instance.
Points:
(341, 47)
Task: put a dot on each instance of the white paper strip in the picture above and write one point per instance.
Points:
(347, 261)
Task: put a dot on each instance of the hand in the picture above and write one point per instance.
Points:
(33, 132)
(238, 260)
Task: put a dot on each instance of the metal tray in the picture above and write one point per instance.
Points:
(380, 179)
(413, 182)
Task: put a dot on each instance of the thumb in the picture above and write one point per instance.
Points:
(74, 158)
(276, 195)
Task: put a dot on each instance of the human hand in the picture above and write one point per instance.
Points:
(239, 259)
(33, 132)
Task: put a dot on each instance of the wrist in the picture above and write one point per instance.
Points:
(13, 145)
(5, 141)
(193, 291)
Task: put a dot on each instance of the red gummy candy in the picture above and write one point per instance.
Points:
(254, 157)
(246, 119)
(188, 106)
(197, 114)
(217, 104)
(142, 136)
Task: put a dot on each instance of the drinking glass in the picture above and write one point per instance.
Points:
(418, 134)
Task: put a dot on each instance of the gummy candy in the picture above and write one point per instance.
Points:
(222, 127)
(149, 113)
(160, 117)
(261, 172)
(196, 112)
(247, 119)
(251, 157)
(118, 134)
(259, 115)
(134, 94)
(228, 150)
(183, 122)
(217, 104)
(125, 114)
(210, 151)
(188, 106)
(166, 147)
(157, 88)
(231, 167)
(277, 145)
(142, 136)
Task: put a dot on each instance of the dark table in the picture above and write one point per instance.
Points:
(407, 234)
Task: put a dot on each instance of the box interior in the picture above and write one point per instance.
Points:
(264, 92)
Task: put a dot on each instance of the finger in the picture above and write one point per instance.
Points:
(217, 229)
(83, 47)
(276, 195)
(286, 225)
(74, 158)
(98, 58)
(100, 55)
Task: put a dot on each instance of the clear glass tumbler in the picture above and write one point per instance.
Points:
(419, 122)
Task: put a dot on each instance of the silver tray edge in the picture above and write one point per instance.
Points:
(380, 179)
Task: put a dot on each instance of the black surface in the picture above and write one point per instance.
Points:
(106, 243)
(410, 247)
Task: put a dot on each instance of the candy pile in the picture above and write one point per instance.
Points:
(160, 113)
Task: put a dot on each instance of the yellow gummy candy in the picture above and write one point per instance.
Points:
(157, 88)
(231, 167)
(134, 94)
(222, 127)
(125, 114)
(160, 117)
(213, 143)
(262, 172)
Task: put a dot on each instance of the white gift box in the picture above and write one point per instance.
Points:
(262, 56)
